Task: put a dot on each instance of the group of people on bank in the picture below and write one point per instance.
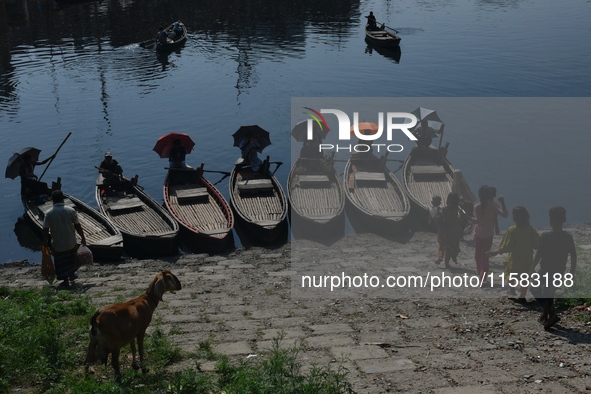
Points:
(552, 248)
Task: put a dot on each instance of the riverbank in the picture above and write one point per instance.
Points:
(460, 344)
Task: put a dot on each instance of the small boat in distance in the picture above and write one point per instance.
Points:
(147, 228)
(205, 218)
(171, 44)
(382, 37)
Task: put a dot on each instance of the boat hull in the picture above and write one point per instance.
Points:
(426, 173)
(205, 218)
(102, 237)
(382, 38)
(147, 229)
(317, 201)
(259, 205)
(178, 43)
(376, 201)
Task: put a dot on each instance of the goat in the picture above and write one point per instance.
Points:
(114, 326)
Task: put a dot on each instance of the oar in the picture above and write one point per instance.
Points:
(121, 177)
(395, 31)
(226, 173)
(58, 149)
(144, 44)
(279, 163)
(222, 178)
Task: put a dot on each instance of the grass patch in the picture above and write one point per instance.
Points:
(578, 294)
(280, 372)
(39, 336)
(43, 340)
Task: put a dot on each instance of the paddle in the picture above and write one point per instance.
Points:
(148, 43)
(222, 178)
(278, 163)
(58, 149)
(226, 173)
(384, 25)
(132, 182)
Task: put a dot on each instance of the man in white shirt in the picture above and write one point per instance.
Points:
(62, 223)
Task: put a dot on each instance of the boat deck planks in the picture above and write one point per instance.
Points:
(200, 212)
(427, 173)
(320, 202)
(97, 229)
(377, 193)
(265, 206)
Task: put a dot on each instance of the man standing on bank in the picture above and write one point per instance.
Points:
(62, 223)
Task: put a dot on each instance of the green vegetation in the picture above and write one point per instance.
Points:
(578, 294)
(43, 339)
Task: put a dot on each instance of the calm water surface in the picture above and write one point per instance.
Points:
(79, 69)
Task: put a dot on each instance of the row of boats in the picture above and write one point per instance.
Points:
(131, 222)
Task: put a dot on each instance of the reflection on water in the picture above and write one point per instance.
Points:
(26, 236)
(390, 53)
(79, 68)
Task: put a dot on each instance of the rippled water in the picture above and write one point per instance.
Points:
(80, 69)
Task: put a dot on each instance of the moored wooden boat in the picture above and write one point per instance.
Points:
(317, 200)
(382, 37)
(147, 228)
(376, 201)
(426, 173)
(205, 218)
(102, 237)
(259, 204)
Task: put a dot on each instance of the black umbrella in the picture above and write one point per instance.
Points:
(300, 130)
(254, 131)
(16, 161)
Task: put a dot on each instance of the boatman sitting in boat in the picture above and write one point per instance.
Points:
(372, 24)
(177, 30)
(29, 184)
(111, 170)
(176, 155)
(249, 147)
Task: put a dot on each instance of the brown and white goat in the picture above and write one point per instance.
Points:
(117, 325)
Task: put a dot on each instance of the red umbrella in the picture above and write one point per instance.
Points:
(165, 142)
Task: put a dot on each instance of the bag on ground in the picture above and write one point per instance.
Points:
(47, 267)
(83, 256)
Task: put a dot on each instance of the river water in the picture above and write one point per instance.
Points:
(79, 69)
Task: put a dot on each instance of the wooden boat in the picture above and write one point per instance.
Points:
(382, 37)
(205, 218)
(259, 204)
(102, 237)
(317, 200)
(147, 228)
(376, 201)
(426, 173)
(173, 44)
